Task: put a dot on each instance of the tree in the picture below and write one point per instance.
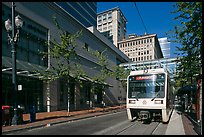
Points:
(66, 63)
(107, 71)
(64, 59)
(189, 35)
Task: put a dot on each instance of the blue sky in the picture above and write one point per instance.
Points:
(156, 16)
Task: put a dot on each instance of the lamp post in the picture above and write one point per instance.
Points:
(13, 28)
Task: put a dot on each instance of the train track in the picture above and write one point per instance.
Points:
(139, 128)
(135, 128)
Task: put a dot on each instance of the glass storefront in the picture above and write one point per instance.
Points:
(30, 95)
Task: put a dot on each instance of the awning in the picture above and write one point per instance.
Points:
(91, 80)
(88, 79)
(28, 69)
(22, 67)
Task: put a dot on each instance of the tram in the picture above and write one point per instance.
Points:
(149, 95)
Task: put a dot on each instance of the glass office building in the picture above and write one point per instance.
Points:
(165, 46)
(84, 12)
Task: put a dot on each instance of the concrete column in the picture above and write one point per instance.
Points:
(48, 97)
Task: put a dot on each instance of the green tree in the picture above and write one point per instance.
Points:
(106, 71)
(102, 61)
(64, 59)
(189, 34)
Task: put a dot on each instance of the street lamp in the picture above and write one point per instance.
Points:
(13, 27)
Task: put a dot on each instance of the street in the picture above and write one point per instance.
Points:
(110, 124)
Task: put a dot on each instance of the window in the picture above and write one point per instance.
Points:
(86, 46)
(109, 14)
(104, 16)
(109, 27)
(99, 21)
(144, 40)
(99, 26)
(99, 17)
(120, 45)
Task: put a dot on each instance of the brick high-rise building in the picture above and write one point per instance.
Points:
(141, 48)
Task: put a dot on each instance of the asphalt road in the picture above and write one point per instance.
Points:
(110, 124)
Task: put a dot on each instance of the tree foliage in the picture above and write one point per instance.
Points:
(106, 70)
(63, 56)
(189, 34)
(66, 63)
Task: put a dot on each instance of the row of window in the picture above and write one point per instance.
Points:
(105, 20)
(106, 26)
(140, 53)
(144, 58)
(137, 42)
(137, 48)
(105, 15)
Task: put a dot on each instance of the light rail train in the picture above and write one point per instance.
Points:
(149, 95)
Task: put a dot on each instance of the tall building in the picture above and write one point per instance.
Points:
(165, 47)
(112, 23)
(141, 48)
(84, 12)
(40, 28)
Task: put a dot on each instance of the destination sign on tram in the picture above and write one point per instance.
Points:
(143, 77)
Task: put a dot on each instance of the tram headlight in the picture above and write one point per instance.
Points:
(132, 101)
(158, 101)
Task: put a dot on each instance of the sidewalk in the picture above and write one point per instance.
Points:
(44, 119)
(175, 125)
(182, 124)
(179, 124)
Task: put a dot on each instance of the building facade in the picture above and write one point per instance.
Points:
(112, 24)
(38, 28)
(141, 48)
(165, 46)
(84, 12)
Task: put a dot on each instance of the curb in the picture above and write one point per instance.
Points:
(62, 121)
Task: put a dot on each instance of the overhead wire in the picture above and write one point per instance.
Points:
(146, 32)
(144, 66)
(141, 18)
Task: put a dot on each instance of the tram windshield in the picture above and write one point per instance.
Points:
(146, 86)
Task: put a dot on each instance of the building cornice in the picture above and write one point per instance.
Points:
(137, 38)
